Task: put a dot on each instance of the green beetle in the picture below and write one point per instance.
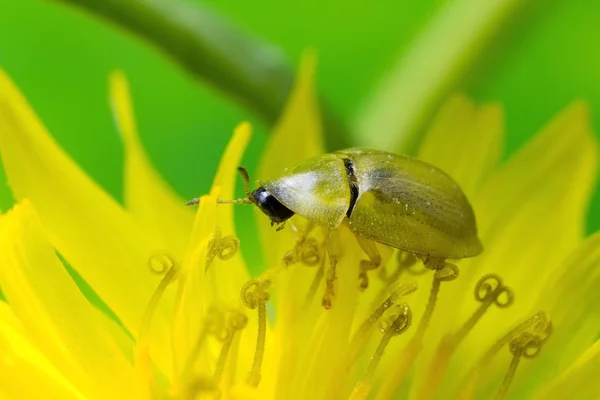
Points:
(398, 201)
(394, 200)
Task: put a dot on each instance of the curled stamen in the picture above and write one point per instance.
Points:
(400, 324)
(142, 357)
(310, 255)
(160, 263)
(528, 344)
(390, 317)
(220, 247)
(229, 246)
(406, 262)
(236, 322)
(488, 290)
(155, 299)
(446, 273)
(539, 324)
(397, 292)
(306, 251)
(443, 272)
(223, 326)
(254, 296)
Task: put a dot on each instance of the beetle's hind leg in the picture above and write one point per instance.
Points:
(374, 261)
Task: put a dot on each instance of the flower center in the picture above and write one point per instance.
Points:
(391, 313)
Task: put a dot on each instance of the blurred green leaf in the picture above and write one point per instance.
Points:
(436, 60)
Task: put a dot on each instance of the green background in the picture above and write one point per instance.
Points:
(545, 57)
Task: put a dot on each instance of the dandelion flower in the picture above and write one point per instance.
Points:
(520, 320)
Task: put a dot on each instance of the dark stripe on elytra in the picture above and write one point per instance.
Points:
(353, 185)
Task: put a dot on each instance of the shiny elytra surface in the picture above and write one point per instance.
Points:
(402, 202)
(411, 205)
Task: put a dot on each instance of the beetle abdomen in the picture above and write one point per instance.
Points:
(411, 205)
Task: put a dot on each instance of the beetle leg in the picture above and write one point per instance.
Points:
(332, 244)
(374, 261)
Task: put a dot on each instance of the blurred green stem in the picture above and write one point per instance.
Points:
(253, 73)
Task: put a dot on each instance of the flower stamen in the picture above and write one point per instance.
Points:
(221, 247)
(306, 251)
(406, 262)
(314, 286)
(444, 272)
(236, 322)
(538, 323)
(213, 324)
(160, 263)
(526, 345)
(488, 290)
(255, 297)
(142, 360)
(397, 291)
(402, 319)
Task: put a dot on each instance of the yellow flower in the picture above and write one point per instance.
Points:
(193, 324)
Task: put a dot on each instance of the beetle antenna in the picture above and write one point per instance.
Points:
(247, 200)
(246, 179)
(237, 201)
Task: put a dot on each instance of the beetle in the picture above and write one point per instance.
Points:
(394, 200)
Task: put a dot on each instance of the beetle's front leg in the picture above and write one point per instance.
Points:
(332, 244)
(374, 261)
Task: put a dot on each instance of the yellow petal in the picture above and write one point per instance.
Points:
(534, 208)
(191, 303)
(296, 137)
(221, 284)
(94, 234)
(531, 214)
(226, 277)
(227, 173)
(61, 323)
(465, 141)
(570, 298)
(147, 196)
(24, 372)
(580, 381)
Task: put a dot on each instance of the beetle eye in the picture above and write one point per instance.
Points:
(270, 206)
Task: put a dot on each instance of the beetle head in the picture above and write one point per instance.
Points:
(265, 201)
